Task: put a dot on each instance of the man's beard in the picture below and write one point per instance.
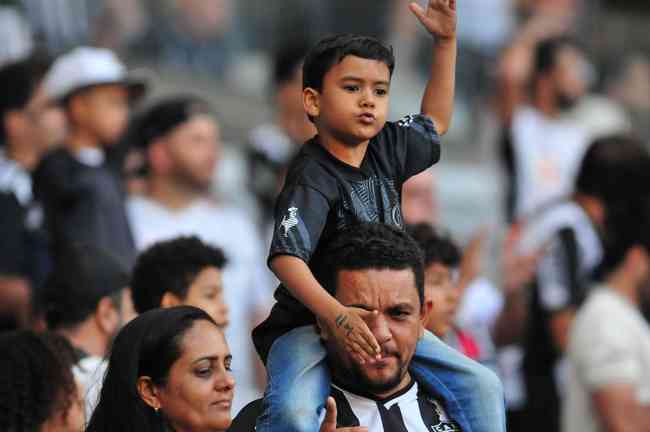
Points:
(355, 378)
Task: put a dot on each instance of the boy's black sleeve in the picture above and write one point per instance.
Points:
(414, 143)
(12, 251)
(300, 216)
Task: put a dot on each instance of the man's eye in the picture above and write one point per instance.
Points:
(351, 88)
(400, 314)
(381, 92)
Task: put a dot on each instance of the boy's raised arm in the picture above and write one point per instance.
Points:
(439, 18)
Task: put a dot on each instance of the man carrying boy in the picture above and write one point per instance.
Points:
(82, 197)
(353, 172)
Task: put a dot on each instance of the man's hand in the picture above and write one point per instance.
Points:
(439, 18)
(352, 333)
(329, 424)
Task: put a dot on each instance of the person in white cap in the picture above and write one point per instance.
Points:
(82, 197)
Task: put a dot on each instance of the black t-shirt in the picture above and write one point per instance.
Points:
(83, 203)
(323, 195)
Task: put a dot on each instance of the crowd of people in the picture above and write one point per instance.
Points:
(134, 297)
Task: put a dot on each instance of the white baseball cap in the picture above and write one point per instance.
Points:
(86, 67)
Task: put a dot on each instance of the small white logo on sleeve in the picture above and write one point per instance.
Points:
(406, 120)
(289, 221)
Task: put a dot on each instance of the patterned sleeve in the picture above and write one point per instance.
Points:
(300, 216)
(416, 143)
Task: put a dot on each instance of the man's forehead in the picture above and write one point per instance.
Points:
(372, 286)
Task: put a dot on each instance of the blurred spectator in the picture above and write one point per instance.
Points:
(84, 297)
(182, 271)
(62, 24)
(182, 143)
(612, 173)
(273, 144)
(609, 344)
(37, 388)
(29, 125)
(542, 148)
(190, 34)
(15, 34)
(629, 84)
(442, 290)
(82, 197)
(420, 199)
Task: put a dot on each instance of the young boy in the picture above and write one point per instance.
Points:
(180, 271)
(82, 196)
(353, 172)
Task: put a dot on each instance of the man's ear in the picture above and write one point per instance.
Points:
(637, 262)
(311, 101)
(425, 312)
(148, 392)
(169, 299)
(158, 156)
(107, 315)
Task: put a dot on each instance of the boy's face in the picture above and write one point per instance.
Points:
(206, 292)
(353, 103)
(102, 111)
(440, 290)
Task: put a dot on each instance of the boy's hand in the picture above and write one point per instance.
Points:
(439, 18)
(329, 424)
(352, 333)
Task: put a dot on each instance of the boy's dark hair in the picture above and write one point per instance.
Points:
(82, 276)
(171, 266)
(436, 247)
(546, 53)
(371, 246)
(614, 169)
(37, 381)
(333, 49)
(19, 81)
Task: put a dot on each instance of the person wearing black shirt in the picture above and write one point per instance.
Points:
(351, 172)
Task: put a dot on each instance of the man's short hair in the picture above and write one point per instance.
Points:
(82, 276)
(371, 246)
(286, 61)
(614, 169)
(19, 81)
(171, 266)
(436, 247)
(546, 54)
(333, 49)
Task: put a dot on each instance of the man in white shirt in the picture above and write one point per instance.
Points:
(609, 344)
(181, 139)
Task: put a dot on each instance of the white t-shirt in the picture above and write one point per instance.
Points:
(245, 291)
(608, 344)
(547, 156)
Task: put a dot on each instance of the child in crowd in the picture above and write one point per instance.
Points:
(180, 271)
(351, 172)
(443, 293)
(82, 197)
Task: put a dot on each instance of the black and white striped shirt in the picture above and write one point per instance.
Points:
(411, 410)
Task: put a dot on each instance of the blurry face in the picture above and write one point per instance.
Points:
(397, 328)
(441, 291)
(104, 111)
(48, 120)
(293, 118)
(353, 103)
(199, 390)
(570, 75)
(194, 148)
(206, 292)
(418, 199)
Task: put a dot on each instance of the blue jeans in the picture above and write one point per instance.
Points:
(299, 384)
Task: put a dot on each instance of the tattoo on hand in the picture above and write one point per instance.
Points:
(340, 320)
(349, 329)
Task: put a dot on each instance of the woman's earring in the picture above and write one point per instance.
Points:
(156, 409)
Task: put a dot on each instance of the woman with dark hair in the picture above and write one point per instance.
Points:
(37, 388)
(169, 370)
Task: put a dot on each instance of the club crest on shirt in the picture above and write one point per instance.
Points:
(406, 120)
(290, 220)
